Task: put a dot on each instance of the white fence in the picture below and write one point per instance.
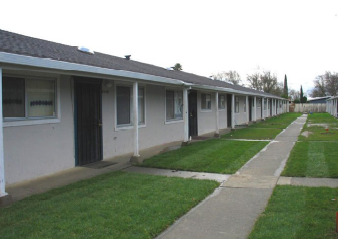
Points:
(307, 107)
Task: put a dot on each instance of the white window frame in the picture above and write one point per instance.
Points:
(259, 102)
(206, 109)
(131, 125)
(173, 121)
(225, 105)
(236, 104)
(22, 121)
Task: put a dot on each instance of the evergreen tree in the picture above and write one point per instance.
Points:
(286, 90)
(178, 67)
(303, 99)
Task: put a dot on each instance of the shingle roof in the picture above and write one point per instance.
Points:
(29, 46)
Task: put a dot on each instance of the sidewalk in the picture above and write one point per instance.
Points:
(233, 210)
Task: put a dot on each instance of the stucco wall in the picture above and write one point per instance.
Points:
(241, 116)
(155, 132)
(35, 150)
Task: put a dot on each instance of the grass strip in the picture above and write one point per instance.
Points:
(214, 156)
(279, 122)
(298, 212)
(313, 159)
(113, 205)
(253, 133)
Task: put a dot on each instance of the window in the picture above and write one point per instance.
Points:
(174, 105)
(244, 105)
(28, 98)
(205, 101)
(124, 105)
(264, 104)
(236, 104)
(259, 103)
(269, 102)
(221, 102)
(253, 103)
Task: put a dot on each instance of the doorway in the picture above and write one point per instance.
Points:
(88, 120)
(229, 102)
(192, 110)
(250, 109)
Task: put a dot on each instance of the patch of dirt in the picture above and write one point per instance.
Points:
(306, 134)
(322, 125)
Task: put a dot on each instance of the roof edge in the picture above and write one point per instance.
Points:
(48, 63)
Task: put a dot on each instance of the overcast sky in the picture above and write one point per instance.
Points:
(297, 38)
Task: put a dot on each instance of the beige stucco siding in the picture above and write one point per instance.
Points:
(241, 116)
(34, 150)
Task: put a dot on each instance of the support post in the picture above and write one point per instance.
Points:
(233, 111)
(185, 117)
(287, 106)
(263, 105)
(247, 109)
(255, 109)
(136, 157)
(5, 199)
(216, 115)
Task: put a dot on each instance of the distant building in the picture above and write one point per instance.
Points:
(318, 100)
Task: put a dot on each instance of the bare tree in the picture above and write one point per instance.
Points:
(319, 89)
(295, 95)
(255, 81)
(266, 82)
(326, 84)
(331, 83)
(231, 77)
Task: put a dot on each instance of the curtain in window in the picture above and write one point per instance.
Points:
(13, 97)
(178, 105)
(221, 102)
(236, 104)
(40, 97)
(170, 105)
(123, 104)
(208, 98)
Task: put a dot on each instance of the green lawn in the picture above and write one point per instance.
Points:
(318, 118)
(298, 212)
(214, 156)
(264, 130)
(315, 128)
(113, 205)
(279, 122)
(253, 133)
(313, 159)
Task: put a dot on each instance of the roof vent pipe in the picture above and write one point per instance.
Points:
(127, 57)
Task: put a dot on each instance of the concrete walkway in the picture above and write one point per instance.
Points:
(309, 182)
(232, 211)
(176, 173)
